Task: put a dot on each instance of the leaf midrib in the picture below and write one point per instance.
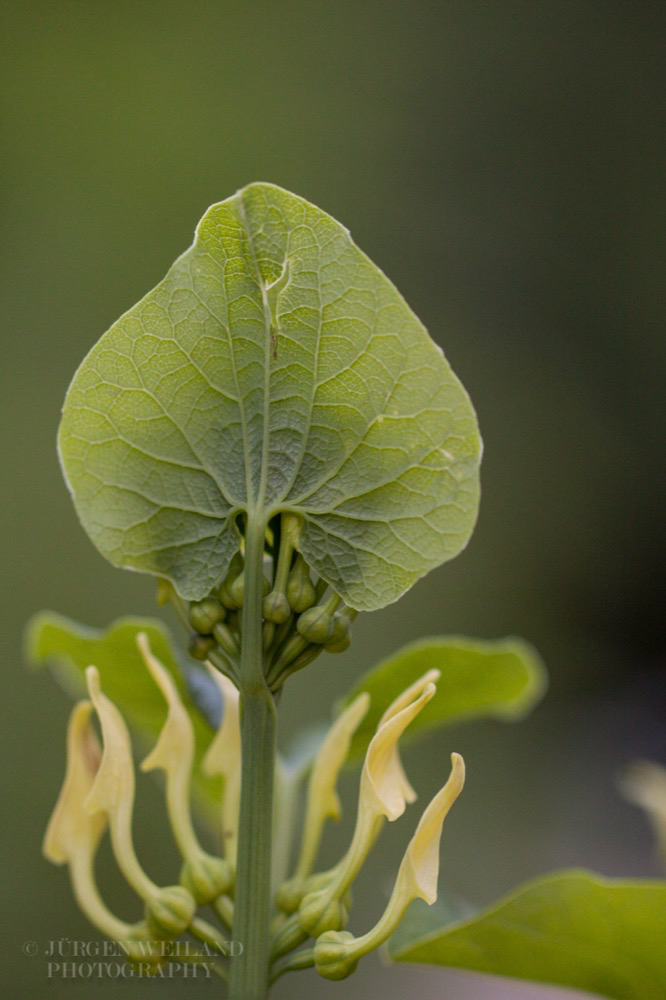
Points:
(258, 506)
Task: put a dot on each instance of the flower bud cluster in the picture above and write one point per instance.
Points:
(300, 618)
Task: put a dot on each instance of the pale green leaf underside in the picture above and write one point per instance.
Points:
(70, 647)
(218, 393)
(503, 678)
(574, 929)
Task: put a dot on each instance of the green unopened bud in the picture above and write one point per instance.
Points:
(300, 590)
(340, 646)
(305, 658)
(170, 912)
(205, 615)
(276, 608)
(201, 646)
(163, 592)
(267, 635)
(342, 622)
(226, 598)
(206, 878)
(318, 912)
(225, 639)
(332, 960)
(237, 590)
(292, 891)
(224, 592)
(142, 949)
(316, 625)
(290, 894)
(341, 633)
(288, 937)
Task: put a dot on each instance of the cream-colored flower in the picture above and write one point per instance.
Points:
(384, 793)
(112, 791)
(73, 834)
(323, 801)
(402, 701)
(223, 757)
(336, 954)
(204, 875)
(418, 873)
(173, 753)
(72, 829)
(385, 789)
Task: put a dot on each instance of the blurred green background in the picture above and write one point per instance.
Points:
(500, 162)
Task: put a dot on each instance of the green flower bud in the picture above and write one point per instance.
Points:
(292, 891)
(138, 953)
(318, 913)
(276, 608)
(316, 625)
(204, 615)
(170, 912)
(227, 600)
(237, 590)
(342, 621)
(267, 635)
(332, 960)
(340, 646)
(224, 592)
(305, 658)
(290, 894)
(226, 640)
(201, 646)
(141, 947)
(288, 937)
(206, 878)
(300, 590)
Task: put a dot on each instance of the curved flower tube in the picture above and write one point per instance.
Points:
(223, 757)
(73, 833)
(384, 793)
(336, 953)
(112, 791)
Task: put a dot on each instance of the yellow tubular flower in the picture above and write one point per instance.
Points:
(402, 701)
(113, 789)
(385, 789)
(73, 834)
(224, 757)
(205, 876)
(173, 753)
(384, 793)
(337, 954)
(322, 800)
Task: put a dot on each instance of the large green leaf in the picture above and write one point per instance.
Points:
(574, 929)
(503, 678)
(69, 648)
(274, 368)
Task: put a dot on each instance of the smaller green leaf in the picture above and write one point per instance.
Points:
(68, 648)
(503, 678)
(572, 928)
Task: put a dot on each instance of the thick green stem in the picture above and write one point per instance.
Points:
(248, 979)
